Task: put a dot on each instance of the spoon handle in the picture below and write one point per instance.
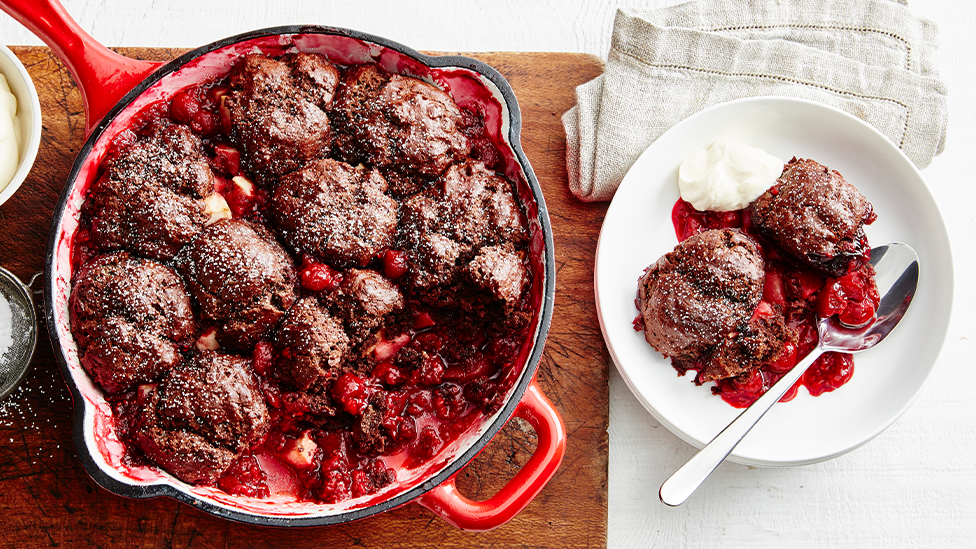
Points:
(679, 487)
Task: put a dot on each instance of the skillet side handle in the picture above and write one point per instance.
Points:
(103, 76)
(479, 516)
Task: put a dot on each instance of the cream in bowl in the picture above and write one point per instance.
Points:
(20, 123)
(727, 176)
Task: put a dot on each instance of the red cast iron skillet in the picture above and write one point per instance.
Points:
(116, 88)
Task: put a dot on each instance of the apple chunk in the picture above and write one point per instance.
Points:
(389, 347)
(216, 207)
(300, 452)
(208, 340)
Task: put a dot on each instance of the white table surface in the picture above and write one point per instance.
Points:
(913, 486)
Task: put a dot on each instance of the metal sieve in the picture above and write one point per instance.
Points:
(18, 331)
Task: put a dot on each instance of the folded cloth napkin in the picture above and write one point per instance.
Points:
(870, 58)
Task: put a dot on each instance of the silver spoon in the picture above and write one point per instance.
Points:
(896, 267)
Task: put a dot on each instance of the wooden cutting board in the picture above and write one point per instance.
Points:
(47, 499)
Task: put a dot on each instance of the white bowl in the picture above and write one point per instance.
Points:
(638, 230)
(28, 115)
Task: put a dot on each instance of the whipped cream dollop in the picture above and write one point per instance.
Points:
(727, 176)
(9, 134)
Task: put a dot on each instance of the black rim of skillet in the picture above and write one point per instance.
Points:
(528, 372)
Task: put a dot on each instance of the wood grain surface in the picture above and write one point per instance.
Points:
(47, 499)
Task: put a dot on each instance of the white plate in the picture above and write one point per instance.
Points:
(638, 230)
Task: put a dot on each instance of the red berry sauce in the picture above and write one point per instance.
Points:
(802, 293)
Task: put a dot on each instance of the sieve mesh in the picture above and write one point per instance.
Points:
(18, 331)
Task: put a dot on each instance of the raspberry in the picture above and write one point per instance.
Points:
(688, 221)
(245, 478)
(402, 429)
(318, 277)
(184, 107)
(857, 313)
(429, 341)
(853, 297)
(263, 358)
(205, 123)
(192, 108)
(336, 486)
(419, 404)
(853, 286)
(448, 402)
(432, 370)
(786, 360)
(831, 300)
(482, 149)
(361, 485)
(394, 403)
(722, 220)
(483, 393)
(388, 373)
(743, 390)
(350, 390)
(395, 264)
(828, 372)
(428, 443)
(504, 348)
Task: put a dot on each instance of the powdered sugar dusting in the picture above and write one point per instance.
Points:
(6, 326)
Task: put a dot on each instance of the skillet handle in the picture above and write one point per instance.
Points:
(103, 76)
(478, 516)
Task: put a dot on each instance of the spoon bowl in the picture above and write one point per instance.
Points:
(896, 268)
(896, 275)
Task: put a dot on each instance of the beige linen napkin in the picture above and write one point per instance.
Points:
(870, 58)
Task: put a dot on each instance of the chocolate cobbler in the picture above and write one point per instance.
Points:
(737, 299)
(150, 199)
(409, 130)
(301, 271)
(813, 215)
(133, 316)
